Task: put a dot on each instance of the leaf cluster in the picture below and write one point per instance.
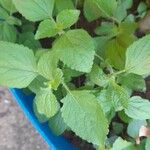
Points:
(112, 60)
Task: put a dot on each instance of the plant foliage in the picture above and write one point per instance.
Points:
(108, 56)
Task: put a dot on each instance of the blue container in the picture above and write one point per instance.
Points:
(26, 104)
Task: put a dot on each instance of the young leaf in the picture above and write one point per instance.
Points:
(67, 18)
(17, 65)
(35, 10)
(47, 67)
(7, 32)
(46, 104)
(98, 77)
(141, 8)
(76, 49)
(47, 28)
(134, 128)
(57, 124)
(138, 57)
(121, 144)
(133, 81)
(83, 114)
(107, 29)
(98, 8)
(121, 11)
(138, 108)
(115, 97)
(36, 85)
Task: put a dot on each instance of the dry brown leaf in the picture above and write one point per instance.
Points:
(144, 24)
(143, 132)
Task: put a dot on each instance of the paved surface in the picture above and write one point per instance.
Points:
(16, 133)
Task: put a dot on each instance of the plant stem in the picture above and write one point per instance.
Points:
(66, 87)
(76, 3)
(119, 72)
(99, 57)
(68, 90)
(101, 148)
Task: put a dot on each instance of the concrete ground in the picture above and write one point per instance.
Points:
(16, 133)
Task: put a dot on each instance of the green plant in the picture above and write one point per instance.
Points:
(113, 61)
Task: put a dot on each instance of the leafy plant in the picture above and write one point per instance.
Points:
(109, 57)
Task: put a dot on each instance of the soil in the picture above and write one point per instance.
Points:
(78, 142)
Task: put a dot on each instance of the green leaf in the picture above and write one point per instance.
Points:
(36, 85)
(47, 67)
(98, 77)
(134, 128)
(47, 28)
(100, 44)
(122, 115)
(147, 145)
(35, 10)
(142, 7)
(127, 28)
(8, 5)
(46, 104)
(130, 18)
(7, 32)
(57, 79)
(99, 8)
(76, 49)
(40, 52)
(121, 144)
(138, 57)
(67, 18)
(114, 97)
(13, 21)
(28, 26)
(116, 48)
(121, 11)
(62, 5)
(83, 114)
(3, 14)
(107, 29)
(115, 51)
(69, 74)
(133, 81)
(138, 108)
(17, 65)
(94, 12)
(57, 124)
(27, 39)
(141, 146)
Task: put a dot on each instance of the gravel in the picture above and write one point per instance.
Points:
(16, 133)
